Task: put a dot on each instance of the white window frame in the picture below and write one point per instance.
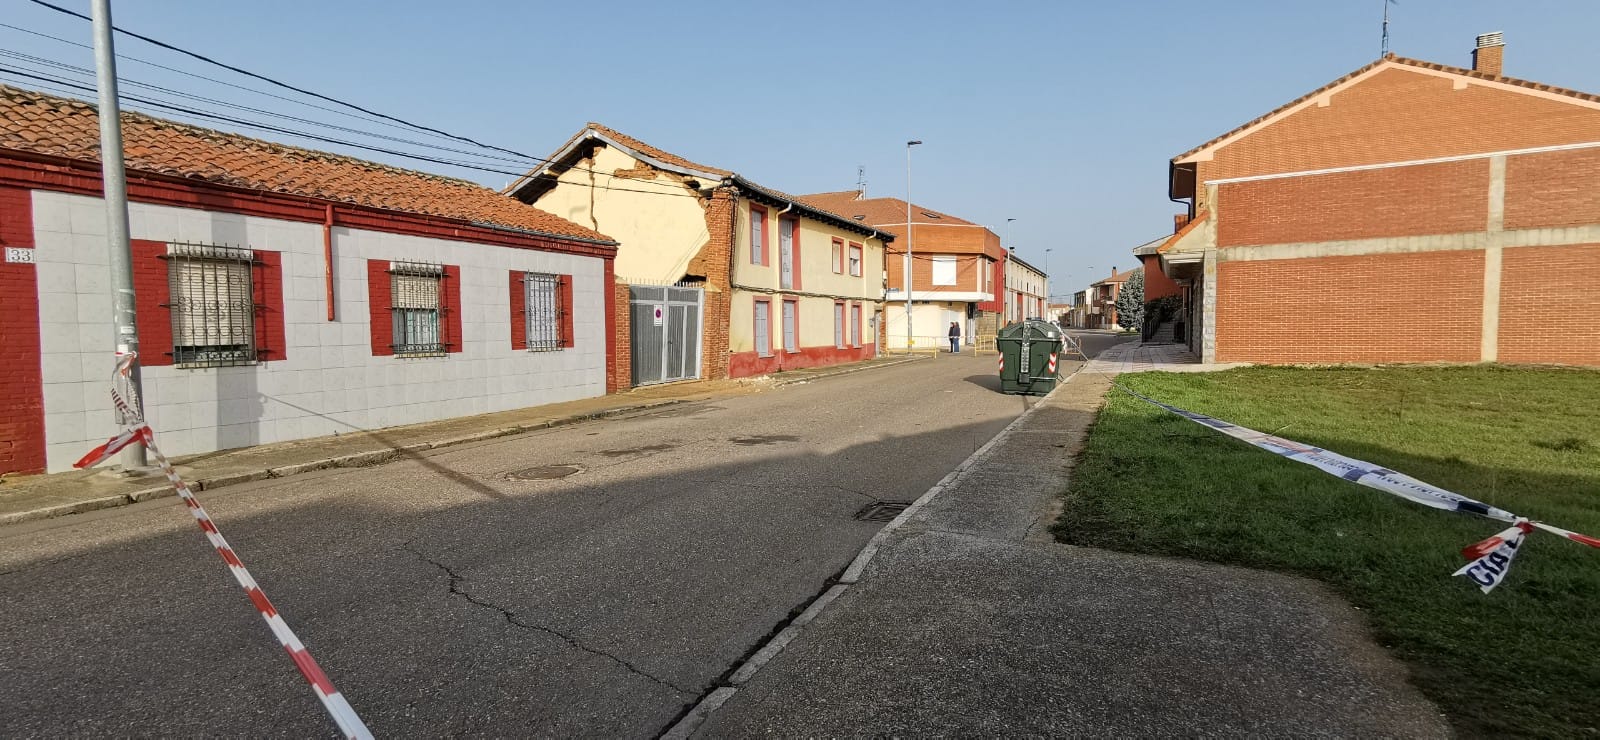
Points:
(856, 260)
(417, 314)
(213, 321)
(947, 265)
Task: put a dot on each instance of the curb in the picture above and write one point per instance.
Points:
(351, 460)
(710, 703)
(778, 382)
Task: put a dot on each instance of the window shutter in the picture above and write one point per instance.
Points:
(453, 341)
(564, 296)
(267, 293)
(152, 302)
(519, 310)
(379, 303)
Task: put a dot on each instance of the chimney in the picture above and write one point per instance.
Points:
(1179, 220)
(1490, 54)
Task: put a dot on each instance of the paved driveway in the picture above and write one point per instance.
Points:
(443, 596)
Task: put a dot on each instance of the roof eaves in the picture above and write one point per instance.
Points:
(815, 212)
(1183, 232)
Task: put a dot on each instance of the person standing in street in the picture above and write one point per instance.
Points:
(955, 337)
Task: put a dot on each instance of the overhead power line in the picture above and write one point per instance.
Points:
(213, 116)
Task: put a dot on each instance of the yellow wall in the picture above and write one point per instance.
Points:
(816, 274)
(658, 233)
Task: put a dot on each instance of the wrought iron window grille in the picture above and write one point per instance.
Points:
(417, 308)
(543, 312)
(212, 304)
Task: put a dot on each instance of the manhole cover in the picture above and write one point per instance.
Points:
(544, 472)
(881, 511)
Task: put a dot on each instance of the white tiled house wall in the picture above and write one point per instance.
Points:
(330, 381)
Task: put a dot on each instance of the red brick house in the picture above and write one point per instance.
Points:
(1462, 199)
(958, 268)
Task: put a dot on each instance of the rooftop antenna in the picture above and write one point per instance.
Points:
(861, 180)
(1386, 4)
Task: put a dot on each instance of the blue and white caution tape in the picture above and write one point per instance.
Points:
(1491, 558)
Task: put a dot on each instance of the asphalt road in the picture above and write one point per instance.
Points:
(444, 597)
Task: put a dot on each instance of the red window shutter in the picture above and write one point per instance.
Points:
(564, 297)
(380, 307)
(152, 293)
(519, 310)
(267, 289)
(452, 309)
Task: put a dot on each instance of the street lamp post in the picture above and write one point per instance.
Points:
(910, 337)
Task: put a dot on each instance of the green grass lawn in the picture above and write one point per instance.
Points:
(1524, 659)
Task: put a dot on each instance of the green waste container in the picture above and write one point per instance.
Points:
(1029, 354)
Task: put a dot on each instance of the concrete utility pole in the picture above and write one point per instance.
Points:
(116, 195)
(910, 338)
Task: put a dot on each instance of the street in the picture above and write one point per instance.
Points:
(448, 595)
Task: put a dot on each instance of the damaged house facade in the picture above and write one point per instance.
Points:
(716, 276)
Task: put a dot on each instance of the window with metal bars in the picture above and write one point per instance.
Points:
(212, 305)
(416, 303)
(543, 312)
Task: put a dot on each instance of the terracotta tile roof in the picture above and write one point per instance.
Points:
(567, 154)
(62, 127)
(1117, 277)
(1397, 60)
(878, 211)
(652, 152)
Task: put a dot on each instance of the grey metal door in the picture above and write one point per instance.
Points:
(786, 253)
(665, 332)
(763, 329)
(790, 343)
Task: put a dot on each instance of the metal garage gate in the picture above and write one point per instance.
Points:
(666, 332)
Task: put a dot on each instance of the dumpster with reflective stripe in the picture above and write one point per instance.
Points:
(1029, 357)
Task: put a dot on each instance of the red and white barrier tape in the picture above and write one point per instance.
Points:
(1052, 363)
(138, 432)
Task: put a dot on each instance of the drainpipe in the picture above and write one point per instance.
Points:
(327, 255)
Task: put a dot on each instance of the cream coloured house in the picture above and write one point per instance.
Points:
(723, 277)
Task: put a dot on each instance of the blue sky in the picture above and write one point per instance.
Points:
(1061, 115)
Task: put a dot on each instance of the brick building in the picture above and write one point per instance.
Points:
(1465, 201)
(281, 293)
(720, 276)
(957, 269)
(1027, 290)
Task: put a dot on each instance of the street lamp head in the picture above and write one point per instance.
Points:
(913, 143)
(1009, 220)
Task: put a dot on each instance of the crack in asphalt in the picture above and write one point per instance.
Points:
(511, 618)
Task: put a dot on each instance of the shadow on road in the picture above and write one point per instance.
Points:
(989, 381)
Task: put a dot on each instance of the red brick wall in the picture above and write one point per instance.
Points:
(620, 375)
(1156, 282)
(1443, 198)
(1413, 307)
(21, 380)
(713, 258)
(1400, 115)
(1550, 304)
(1553, 189)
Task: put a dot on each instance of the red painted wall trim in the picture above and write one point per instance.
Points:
(152, 296)
(453, 341)
(843, 324)
(758, 226)
(267, 288)
(564, 296)
(838, 256)
(856, 310)
(746, 364)
(57, 174)
(519, 309)
(379, 302)
(22, 383)
(610, 282)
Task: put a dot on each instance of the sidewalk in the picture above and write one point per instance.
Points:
(971, 621)
(1135, 357)
(28, 498)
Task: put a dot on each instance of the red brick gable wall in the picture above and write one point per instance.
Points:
(1397, 115)
(1412, 307)
(1442, 198)
(1553, 189)
(1550, 305)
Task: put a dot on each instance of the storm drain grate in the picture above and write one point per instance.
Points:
(881, 511)
(544, 472)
